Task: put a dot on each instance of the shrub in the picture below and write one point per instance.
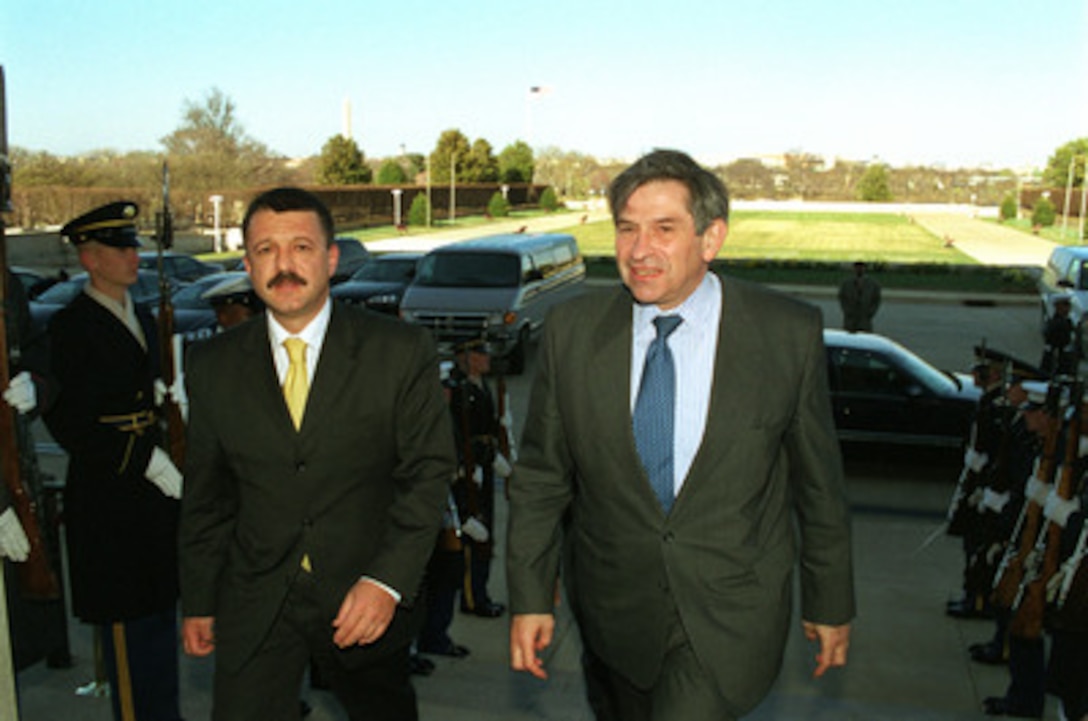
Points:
(549, 201)
(1044, 214)
(1009, 208)
(417, 213)
(498, 206)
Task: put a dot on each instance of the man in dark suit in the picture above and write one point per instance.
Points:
(679, 518)
(121, 490)
(308, 518)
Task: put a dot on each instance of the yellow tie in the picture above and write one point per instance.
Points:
(296, 385)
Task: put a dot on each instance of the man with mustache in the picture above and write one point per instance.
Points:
(317, 463)
(673, 491)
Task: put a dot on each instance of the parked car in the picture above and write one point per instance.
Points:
(380, 284)
(353, 256)
(194, 317)
(883, 392)
(1066, 274)
(181, 267)
(144, 292)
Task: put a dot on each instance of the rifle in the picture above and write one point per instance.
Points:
(169, 354)
(1010, 573)
(1030, 602)
(37, 580)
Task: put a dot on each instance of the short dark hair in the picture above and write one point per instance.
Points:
(709, 198)
(282, 200)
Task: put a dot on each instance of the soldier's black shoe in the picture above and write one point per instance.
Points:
(993, 653)
(453, 650)
(487, 609)
(304, 709)
(419, 666)
(969, 608)
(1002, 706)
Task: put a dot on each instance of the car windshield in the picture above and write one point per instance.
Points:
(470, 270)
(191, 296)
(386, 270)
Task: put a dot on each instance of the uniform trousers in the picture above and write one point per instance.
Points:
(141, 659)
(266, 687)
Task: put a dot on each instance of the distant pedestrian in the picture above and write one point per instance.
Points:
(859, 298)
(1060, 340)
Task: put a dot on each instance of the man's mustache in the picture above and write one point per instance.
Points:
(286, 277)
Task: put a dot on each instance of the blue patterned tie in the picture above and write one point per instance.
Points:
(654, 408)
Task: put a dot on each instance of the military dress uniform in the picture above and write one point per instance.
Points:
(121, 528)
(476, 429)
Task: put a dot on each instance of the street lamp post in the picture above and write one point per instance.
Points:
(397, 192)
(217, 237)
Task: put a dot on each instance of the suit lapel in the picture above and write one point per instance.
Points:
(336, 364)
(256, 349)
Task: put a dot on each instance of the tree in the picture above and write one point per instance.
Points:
(516, 163)
(549, 201)
(873, 184)
(1044, 213)
(1056, 174)
(418, 212)
(452, 148)
(391, 173)
(342, 163)
(498, 206)
(481, 165)
(211, 151)
(1009, 208)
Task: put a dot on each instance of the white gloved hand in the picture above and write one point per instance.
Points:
(1036, 490)
(21, 393)
(478, 476)
(502, 466)
(163, 473)
(993, 500)
(974, 460)
(475, 530)
(14, 544)
(178, 395)
(1059, 509)
(160, 391)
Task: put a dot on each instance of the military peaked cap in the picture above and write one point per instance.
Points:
(113, 224)
(1020, 370)
(235, 290)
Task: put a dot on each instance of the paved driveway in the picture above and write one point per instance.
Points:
(986, 241)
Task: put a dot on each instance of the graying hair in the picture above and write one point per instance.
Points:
(708, 196)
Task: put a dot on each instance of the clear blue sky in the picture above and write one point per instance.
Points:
(999, 82)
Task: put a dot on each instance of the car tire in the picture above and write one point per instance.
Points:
(515, 359)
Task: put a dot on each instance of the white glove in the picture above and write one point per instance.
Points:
(993, 500)
(14, 544)
(1059, 509)
(502, 466)
(163, 473)
(160, 391)
(21, 394)
(478, 476)
(475, 530)
(179, 396)
(1036, 490)
(974, 460)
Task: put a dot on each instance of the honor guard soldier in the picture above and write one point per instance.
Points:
(233, 300)
(476, 427)
(122, 489)
(1060, 340)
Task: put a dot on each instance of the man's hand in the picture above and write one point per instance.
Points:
(530, 633)
(14, 545)
(198, 635)
(834, 643)
(364, 615)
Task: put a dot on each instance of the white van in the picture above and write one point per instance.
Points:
(499, 288)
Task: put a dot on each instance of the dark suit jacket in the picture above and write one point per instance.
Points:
(723, 557)
(360, 488)
(121, 531)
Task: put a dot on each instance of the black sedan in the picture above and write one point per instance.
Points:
(882, 392)
(380, 284)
